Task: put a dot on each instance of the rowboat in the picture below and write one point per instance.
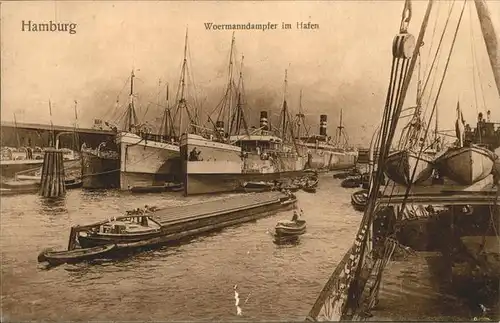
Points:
(257, 186)
(312, 182)
(76, 255)
(466, 165)
(359, 199)
(351, 182)
(408, 167)
(290, 228)
(290, 187)
(73, 183)
(309, 189)
(13, 184)
(175, 188)
(344, 175)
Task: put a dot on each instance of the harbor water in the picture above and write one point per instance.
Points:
(192, 281)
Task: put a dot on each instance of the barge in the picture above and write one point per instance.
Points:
(171, 224)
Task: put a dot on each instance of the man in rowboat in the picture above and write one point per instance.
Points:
(296, 215)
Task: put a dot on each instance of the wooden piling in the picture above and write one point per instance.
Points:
(52, 181)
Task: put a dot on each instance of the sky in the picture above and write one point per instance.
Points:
(345, 64)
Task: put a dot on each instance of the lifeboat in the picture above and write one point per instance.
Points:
(408, 167)
(466, 165)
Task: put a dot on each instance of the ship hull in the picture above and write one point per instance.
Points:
(342, 160)
(466, 165)
(220, 183)
(328, 158)
(100, 172)
(215, 167)
(318, 159)
(407, 167)
(146, 162)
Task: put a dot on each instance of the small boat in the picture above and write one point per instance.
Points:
(73, 183)
(76, 255)
(407, 166)
(13, 184)
(10, 191)
(344, 175)
(359, 199)
(290, 228)
(257, 186)
(312, 182)
(176, 188)
(290, 187)
(466, 165)
(309, 189)
(351, 182)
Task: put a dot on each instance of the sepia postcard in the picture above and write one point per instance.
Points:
(250, 160)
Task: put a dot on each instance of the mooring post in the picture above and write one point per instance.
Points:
(52, 182)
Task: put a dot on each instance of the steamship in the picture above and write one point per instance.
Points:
(322, 152)
(148, 159)
(226, 163)
(232, 154)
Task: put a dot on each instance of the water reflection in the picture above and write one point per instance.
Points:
(286, 241)
(52, 205)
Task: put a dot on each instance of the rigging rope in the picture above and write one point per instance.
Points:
(408, 188)
(475, 65)
(340, 295)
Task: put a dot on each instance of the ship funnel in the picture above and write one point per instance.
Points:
(263, 120)
(322, 125)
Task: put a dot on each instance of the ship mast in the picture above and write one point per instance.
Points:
(240, 115)
(52, 133)
(182, 100)
(17, 131)
(229, 92)
(490, 39)
(223, 125)
(340, 131)
(182, 104)
(131, 118)
(75, 133)
(167, 124)
(301, 121)
(284, 109)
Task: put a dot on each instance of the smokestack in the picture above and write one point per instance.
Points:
(322, 125)
(263, 120)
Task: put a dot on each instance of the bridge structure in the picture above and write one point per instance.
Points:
(19, 134)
